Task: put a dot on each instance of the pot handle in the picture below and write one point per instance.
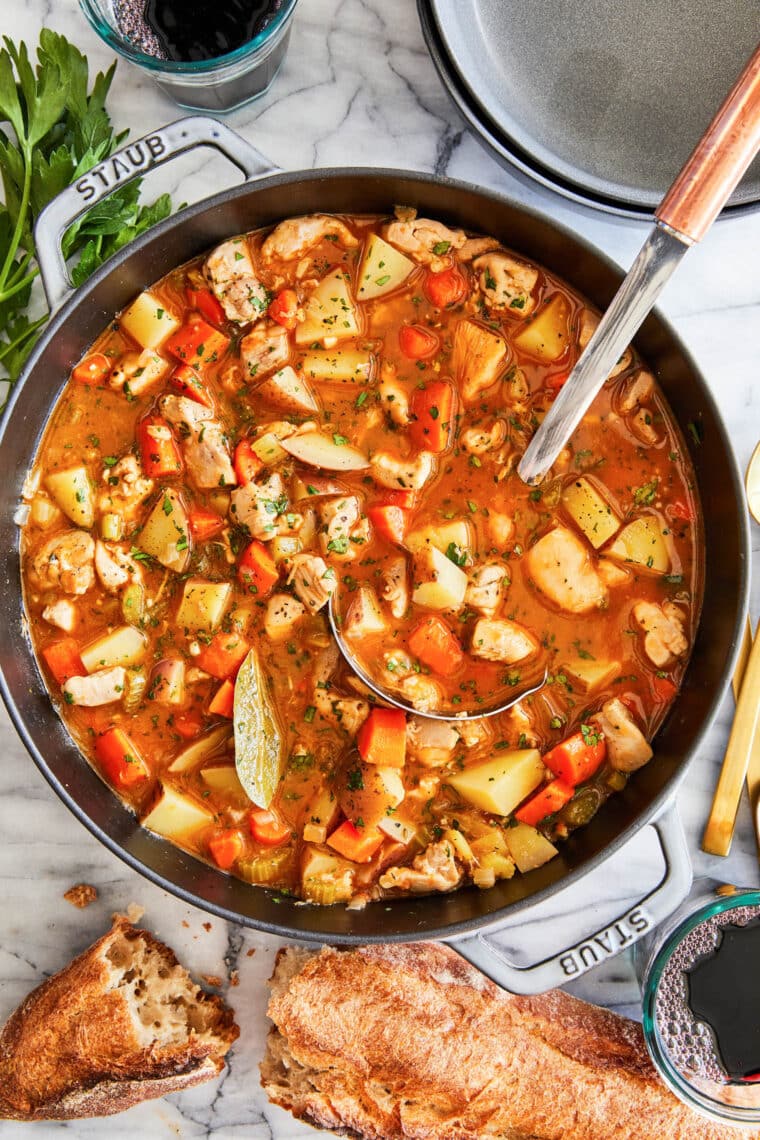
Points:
(123, 166)
(570, 963)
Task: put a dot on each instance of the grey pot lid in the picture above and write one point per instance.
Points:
(608, 96)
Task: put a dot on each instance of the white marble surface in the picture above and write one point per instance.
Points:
(357, 88)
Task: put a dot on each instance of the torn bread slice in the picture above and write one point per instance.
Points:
(124, 1022)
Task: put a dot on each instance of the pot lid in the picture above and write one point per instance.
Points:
(602, 100)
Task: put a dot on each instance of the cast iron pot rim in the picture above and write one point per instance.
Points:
(464, 927)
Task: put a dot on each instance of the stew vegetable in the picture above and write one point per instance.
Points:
(334, 409)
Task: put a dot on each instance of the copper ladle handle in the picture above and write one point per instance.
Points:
(718, 161)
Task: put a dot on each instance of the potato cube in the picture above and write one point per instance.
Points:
(175, 815)
(382, 269)
(338, 366)
(124, 646)
(591, 511)
(528, 847)
(72, 492)
(148, 321)
(165, 535)
(643, 542)
(330, 312)
(202, 604)
(547, 335)
(441, 535)
(287, 389)
(267, 448)
(500, 784)
(224, 779)
(439, 583)
(588, 676)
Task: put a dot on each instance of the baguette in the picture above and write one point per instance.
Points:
(412, 1042)
(122, 1023)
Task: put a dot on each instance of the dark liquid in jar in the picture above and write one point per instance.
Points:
(192, 30)
(724, 992)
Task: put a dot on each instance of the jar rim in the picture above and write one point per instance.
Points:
(189, 69)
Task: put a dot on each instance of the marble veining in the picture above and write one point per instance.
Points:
(357, 88)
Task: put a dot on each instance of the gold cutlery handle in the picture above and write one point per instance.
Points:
(718, 161)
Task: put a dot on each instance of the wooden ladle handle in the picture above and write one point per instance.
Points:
(718, 161)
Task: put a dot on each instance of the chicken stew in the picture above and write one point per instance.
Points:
(334, 409)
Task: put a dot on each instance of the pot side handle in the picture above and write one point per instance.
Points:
(573, 961)
(132, 161)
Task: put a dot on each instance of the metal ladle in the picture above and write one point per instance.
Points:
(398, 702)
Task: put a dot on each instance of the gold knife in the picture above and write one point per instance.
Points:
(753, 769)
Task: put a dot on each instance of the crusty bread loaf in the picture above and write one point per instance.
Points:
(411, 1042)
(122, 1023)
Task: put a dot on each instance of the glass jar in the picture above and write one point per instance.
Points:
(684, 1049)
(219, 85)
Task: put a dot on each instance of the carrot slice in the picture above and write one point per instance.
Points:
(284, 308)
(545, 802)
(63, 660)
(382, 738)
(269, 829)
(257, 570)
(389, 522)
(93, 370)
(188, 724)
(577, 758)
(417, 343)
(205, 524)
(207, 305)
(187, 381)
(223, 655)
(405, 499)
(223, 700)
(158, 447)
(119, 758)
(446, 288)
(433, 643)
(197, 343)
(225, 848)
(432, 409)
(354, 843)
(246, 462)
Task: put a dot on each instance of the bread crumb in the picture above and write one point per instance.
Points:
(234, 978)
(207, 927)
(81, 895)
(185, 924)
(135, 912)
(251, 952)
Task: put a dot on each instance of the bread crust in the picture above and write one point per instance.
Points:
(391, 1042)
(72, 1049)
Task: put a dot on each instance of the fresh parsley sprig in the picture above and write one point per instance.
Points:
(54, 128)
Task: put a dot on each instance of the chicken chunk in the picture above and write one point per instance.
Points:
(478, 441)
(101, 688)
(425, 240)
(296, 236)
(204, 443)
(422, 692)
(126, 489)
(563, 570)
(434, 869)
(395, 588)
(264, 349)
(114, 567)
(282, 613)
(313, 580)
(611, 573)
(477, 358)
(326, 664)
(431, 741)
(393, 397)
(587, 326)
(496, 639)
(66, 563)
(521, 724)
(486, 588)
(62, 614)
(257, 505)
(664, 638)
(409, 474)
(506, 284)
(346, 713)
(643, 428)
(136, 372)
(627, 747)
(476, 247)
(230, 273)
(339, 519)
